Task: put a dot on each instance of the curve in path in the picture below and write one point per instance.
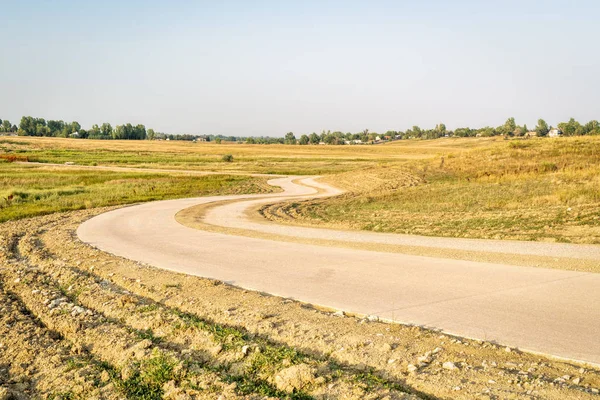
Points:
(542, 310)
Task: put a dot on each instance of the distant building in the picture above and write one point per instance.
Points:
(555, 132)
(531, 134)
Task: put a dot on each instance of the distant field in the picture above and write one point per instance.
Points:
(547, 190)
(275, 159)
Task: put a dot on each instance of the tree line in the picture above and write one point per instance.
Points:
(30, 126)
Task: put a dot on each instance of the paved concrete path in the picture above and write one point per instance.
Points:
(549, 311)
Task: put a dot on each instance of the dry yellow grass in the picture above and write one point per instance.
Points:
(546, 189)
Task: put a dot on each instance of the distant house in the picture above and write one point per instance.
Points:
(531, 134)
(323, 143)
(74, 135)
(357, 141)
(387, 137)
(555, 132)
(377, 139)
(347, 142)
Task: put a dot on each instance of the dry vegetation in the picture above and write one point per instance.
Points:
(547, 190)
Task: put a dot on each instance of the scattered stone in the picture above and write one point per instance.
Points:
(372, 318)
(245, 350)
(456, 388)
(436, 350)
(17, 280)
(386, 347)
(35, 291)
(595, 391)
(339, 313)
(491, 381)
(449, 365)
(507, 349)
(577, 381)
(412, 368)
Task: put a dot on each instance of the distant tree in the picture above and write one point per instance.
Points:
(218, 140)
(106, 130)
(290, 138)
(571, 128)
(6, 127)
(304, 140)
(592, 128)
(150, 134)
(314, 138)
(509, 127)
(250, 141)
(118, 132)
(542, 128)
(56, 127)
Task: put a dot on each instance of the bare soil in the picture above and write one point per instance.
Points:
(80, 323)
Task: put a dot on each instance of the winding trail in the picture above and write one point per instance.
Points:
(549, 311)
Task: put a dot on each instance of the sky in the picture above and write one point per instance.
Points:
(252, 68)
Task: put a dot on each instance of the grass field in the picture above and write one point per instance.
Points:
(30, 190)
(538, 189)
(545, 190)
(271, 159)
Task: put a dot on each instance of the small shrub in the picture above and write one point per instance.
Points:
(548, 167)
(227, 158)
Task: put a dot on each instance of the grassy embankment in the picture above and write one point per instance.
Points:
(544, 190)
(30, 190)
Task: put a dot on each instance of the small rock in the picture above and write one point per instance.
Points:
(507, 349)
(391, 361)
(491, 381)
(17, 280)
(35, 291)
(386, 347)
(424, 359)
(449, 365)
(581, 371)
(411, 368)
(436, 350)
(372, 318)
(456, 388)
(577, 381)
(339, 313)
(245, 350)
(595, 391)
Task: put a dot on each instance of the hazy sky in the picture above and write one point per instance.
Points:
(269, 67)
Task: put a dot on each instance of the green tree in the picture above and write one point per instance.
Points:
(55, 127)
(592, 128)
(509, 127)
(304, 140)
(314, 138)
(290, 138)
(542, 128)
(150, 134)
(6, 127)
(218, 140)
(106, 130)
(571, 128)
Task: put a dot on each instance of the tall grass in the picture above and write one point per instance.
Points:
(31, 190)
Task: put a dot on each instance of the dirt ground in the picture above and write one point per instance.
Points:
(80, 323)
